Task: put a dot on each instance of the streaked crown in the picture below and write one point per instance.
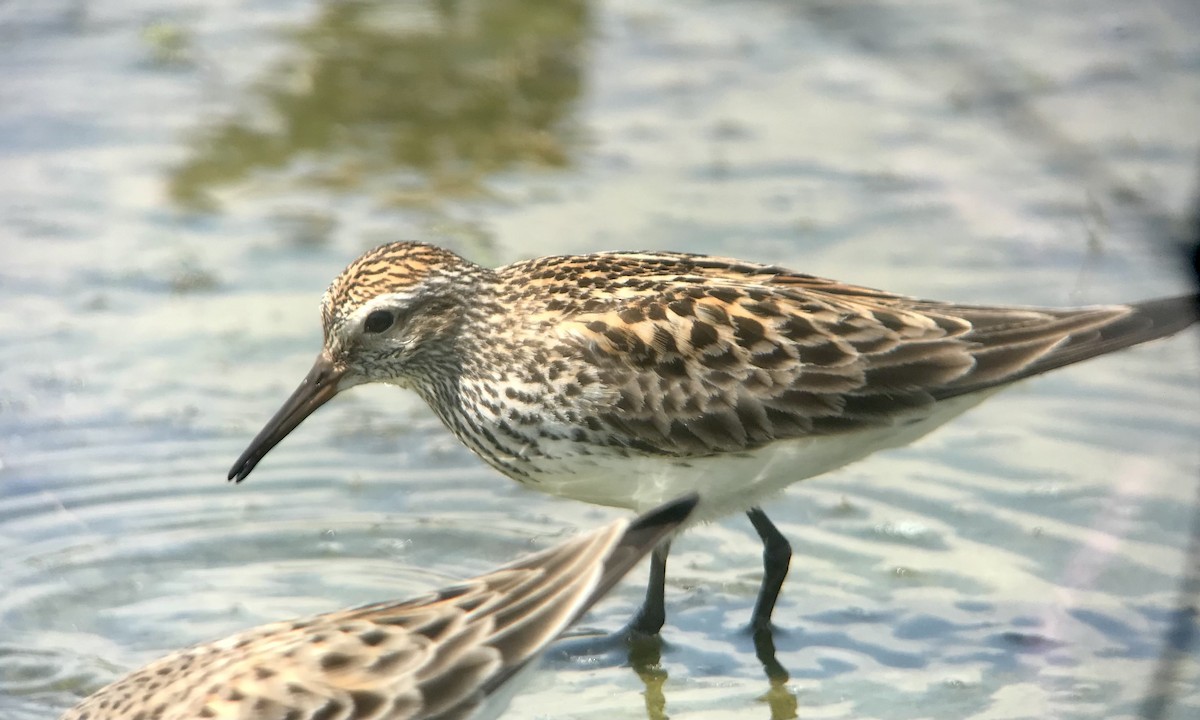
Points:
(401, 268)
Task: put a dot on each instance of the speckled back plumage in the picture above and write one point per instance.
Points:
(433, 657)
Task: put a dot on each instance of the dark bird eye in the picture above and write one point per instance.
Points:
(379, 321)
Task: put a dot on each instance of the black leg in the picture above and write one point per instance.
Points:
(777, 555)
(653, 614)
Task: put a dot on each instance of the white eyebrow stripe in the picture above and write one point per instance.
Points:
(387, 301)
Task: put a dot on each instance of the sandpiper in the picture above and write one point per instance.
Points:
(443, 656)
(626, 378)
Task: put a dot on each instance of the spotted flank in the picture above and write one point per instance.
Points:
(627, 378)
(441, 656)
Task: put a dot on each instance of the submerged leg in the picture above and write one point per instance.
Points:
(764, 649)
(653, 614)
(777, 555)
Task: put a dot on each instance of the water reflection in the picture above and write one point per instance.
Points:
(645, 658)
(779, 698)
(432, 95)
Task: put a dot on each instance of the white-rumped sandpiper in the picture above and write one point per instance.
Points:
(627, 378)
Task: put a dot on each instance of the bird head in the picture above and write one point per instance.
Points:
(391, 316)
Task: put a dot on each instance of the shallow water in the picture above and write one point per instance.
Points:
(182, 179)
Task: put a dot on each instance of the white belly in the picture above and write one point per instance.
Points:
(726, 483)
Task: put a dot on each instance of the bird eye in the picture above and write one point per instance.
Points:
(379, 321)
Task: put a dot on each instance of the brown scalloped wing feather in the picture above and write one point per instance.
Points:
(711, 355)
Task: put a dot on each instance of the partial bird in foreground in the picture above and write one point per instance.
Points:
(443, 656)
(625, 378)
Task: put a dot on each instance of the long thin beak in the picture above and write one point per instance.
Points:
(315, 390)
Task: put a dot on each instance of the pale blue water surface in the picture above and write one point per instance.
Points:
(180, 180)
